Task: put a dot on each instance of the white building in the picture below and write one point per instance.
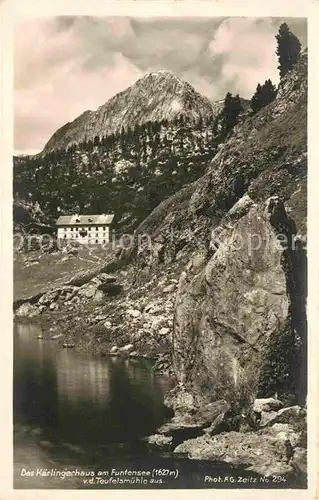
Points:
(86, 229)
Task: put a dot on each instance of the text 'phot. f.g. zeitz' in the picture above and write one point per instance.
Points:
(160, 253)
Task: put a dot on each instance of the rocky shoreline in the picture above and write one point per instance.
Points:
(271, 440)
(142, 314)
(108, 316)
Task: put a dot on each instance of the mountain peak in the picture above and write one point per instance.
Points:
(161, 73)
(156, 96)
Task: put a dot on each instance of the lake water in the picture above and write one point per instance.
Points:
(79, 421)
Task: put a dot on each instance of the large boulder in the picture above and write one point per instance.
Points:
(267, 404)
(160, 441)
(88, 290)
(180, 401)
(228, 306)
(192, 422)
(65, 292)
(290, 415)
(211, 413)
(27, 310)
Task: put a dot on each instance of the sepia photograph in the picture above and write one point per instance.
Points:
(160, 253)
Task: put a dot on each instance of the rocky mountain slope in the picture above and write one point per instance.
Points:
(28, 218)
(223, 289)
(240, 318)
(155, 97)
(254, 189)
(133, 152)
(127, 174)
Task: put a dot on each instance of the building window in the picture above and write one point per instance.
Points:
(104, 242)
(104, 228)
(96, 241)
(76, 228)
(71, 228)
(65, 236)
(76, 235)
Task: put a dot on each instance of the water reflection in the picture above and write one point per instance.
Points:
(76, 411)
(84, 379)
(80, 399)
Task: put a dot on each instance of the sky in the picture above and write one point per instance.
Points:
(64, 66)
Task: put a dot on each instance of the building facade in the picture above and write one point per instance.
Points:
(85, 229)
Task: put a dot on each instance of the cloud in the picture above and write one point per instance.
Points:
(248, 48)
(66, 65)
(53, 85)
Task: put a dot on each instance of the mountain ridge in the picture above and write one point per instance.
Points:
(156, 96)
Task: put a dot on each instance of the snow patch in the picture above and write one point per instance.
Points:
(176, 106)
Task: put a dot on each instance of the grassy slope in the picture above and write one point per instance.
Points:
(52, 271)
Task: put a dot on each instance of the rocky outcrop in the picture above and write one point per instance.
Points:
(278, 448)
(107, 315)
(98, 288)
(27, 310)
(260, 453)
(29, 218)
(229, 305)
(240, 319)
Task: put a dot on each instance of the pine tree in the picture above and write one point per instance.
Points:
(228, 117)
(264, 94)
(288, 49)
(270, 92)
(256, 99)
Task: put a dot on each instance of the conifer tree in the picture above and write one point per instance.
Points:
(288, 49)
(264, 95)
(228, 117)
(256, 99)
